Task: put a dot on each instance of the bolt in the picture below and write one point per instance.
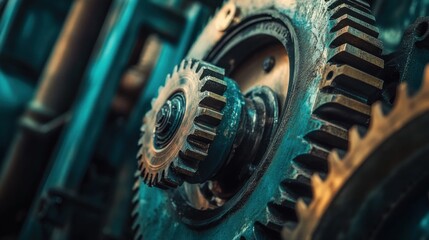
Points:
(268, 64)
(226, 17)
(168, 119)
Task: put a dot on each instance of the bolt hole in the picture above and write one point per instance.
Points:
(330, 75)
(422, 29)
(228, 12)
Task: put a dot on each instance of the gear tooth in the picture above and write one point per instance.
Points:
(213, 84)
(190, 151)
(199, 134)
(301, 208)
(160, 90)
(135, 226)
(193, 64)
(139, 154)
(377, 115)
(196, 67)
(401, 96)
(140, 165)
(286, 232)
(208, 116)
(317, 182)
(185, 167)
(357, 58)
(353, 11)
(146, 176)
(206, 69)
(335, 164)
(141, 170)
(183, 64)
(160, 181)
(354, 138)
(135, 210)
(154, 179)
(171, 179)
(212, 100)
(149, 179)
(136, 184)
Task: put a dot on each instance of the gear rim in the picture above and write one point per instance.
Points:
(384, 129)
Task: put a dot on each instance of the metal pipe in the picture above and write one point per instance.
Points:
(40, 124)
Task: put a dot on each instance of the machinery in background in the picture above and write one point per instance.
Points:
(25, 162)
(39, 25)
(130, 29)
(271, 119)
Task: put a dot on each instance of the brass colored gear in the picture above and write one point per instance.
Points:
(408, 114)
(178, 130)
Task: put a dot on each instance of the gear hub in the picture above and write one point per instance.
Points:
(202, 127)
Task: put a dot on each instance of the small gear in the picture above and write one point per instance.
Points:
(386, 152)
(178, 130)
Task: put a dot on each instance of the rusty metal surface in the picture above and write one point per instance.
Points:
(365, 152)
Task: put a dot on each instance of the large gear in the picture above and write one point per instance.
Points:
(348, 87)
(336, 87)
(194, 93)
(361, 182)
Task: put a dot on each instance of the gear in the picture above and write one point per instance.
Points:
(374, 163)
(331, 91)
(348, 87)
(191, 101)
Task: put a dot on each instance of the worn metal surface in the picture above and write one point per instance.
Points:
(319, 36)
(379, 182)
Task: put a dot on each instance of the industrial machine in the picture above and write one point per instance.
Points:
(195, 119)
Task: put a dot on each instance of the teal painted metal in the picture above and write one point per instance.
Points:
(393, 17)
(220, 148)
(110, 60)
(38, 22)
(27, 28)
